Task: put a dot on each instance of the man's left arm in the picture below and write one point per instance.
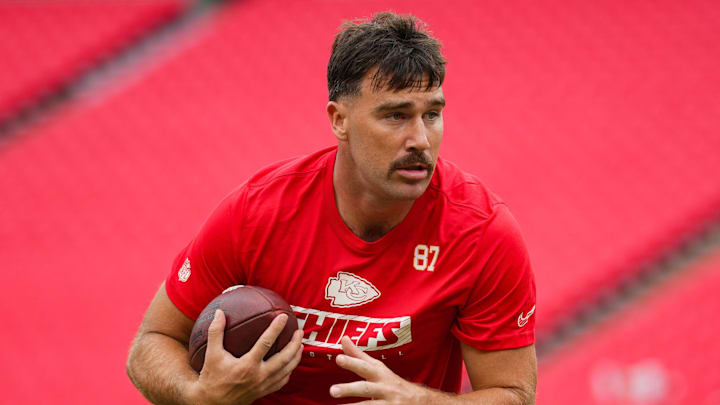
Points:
(500, 377)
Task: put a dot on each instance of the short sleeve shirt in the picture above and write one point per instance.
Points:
(455, 270)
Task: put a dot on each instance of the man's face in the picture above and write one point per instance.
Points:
(394, 139)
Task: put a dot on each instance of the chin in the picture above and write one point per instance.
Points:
(409, 192)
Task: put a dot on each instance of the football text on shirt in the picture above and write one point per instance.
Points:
(325, 329)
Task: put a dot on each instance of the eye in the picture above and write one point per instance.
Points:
(432, 115)
(395, 116)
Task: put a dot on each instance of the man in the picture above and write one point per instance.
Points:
(398, 265)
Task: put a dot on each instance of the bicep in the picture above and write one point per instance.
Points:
(511, 368)
(163, 317)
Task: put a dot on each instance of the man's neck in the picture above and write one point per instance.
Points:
(367, 216)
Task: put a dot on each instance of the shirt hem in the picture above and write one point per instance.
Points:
(512, 342)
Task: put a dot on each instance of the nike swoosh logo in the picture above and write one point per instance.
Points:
(523, 320)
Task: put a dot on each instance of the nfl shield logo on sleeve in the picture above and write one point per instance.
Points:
(184, 272)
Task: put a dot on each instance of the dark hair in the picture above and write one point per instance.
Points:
(399, 47)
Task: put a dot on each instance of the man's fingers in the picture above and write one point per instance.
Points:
(361, 367)
(216, 331)
(267, 339)
(351, 350)
(281, 358)
(293, 362)
(279, 384)
(361, 389)
(288, 368)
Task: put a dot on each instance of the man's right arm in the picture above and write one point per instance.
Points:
(158, 361)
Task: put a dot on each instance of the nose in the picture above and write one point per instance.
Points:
(417, 136)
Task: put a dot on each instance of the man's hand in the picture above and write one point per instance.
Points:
(225, 379)
(381, 385)
(511, 382)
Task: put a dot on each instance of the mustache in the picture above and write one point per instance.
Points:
(412, 159)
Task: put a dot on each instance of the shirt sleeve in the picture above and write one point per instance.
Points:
(207, 265)
(500, 310)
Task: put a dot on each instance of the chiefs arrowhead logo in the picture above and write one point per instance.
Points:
(349, 290)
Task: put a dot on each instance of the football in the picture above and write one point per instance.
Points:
(248, 312)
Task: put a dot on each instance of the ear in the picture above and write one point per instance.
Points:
(337, 113)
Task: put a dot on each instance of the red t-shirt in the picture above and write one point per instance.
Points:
(456, 269)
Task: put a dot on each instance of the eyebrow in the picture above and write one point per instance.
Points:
(438, 101)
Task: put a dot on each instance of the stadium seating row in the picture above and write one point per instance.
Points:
(661, 350)
(46, 45)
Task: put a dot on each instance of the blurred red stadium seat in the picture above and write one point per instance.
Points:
(46, 44)
(661, 350)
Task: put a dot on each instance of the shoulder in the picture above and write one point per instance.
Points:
(463, 193)
(283, 178)
(290, 170)
(276, 192)
(469, 211)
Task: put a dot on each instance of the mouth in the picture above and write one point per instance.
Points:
(415, 171)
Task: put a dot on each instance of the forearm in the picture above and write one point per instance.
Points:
(159, 368)
(489, 396)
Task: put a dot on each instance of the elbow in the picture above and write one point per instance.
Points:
(527, 399)
(516, 394)
(129, 369)
(523, 396)
(130, 364)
